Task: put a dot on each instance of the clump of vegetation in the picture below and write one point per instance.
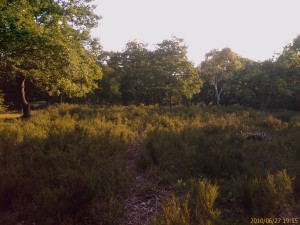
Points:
(2, 107)
(194, 207)
(213, 144)
(67, 163)
(263, 197)
(58, 168)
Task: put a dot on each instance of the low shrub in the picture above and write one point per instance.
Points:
(196, 207)
(264, 197)
(2, 107)
(66, 164)
(62, 169)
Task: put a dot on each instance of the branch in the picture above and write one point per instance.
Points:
(222, 88)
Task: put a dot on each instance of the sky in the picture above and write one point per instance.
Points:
(255, 29)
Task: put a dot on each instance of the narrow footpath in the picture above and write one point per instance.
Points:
(145, 197)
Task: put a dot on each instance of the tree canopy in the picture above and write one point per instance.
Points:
(218, 67)
(163, 76)
(49, 43)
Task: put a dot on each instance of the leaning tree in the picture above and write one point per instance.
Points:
(49, 43)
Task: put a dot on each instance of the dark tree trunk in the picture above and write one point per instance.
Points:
(218, 99)
(25, 105)
(263, 102)
(170, 102)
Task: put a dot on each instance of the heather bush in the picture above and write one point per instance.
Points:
(62, 169)
(66, 164)
(213, 144)
(195, 207)
(264, 197)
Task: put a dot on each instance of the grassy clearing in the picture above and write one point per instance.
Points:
(66, 164)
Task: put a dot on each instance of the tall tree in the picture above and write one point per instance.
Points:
(218, 67)
(49, 43)
(135, 68)
(243, 84)
(108, 91)
(179, 78)
(259, 84)
(288, 65)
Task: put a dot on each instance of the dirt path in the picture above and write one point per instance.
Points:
(144, 199)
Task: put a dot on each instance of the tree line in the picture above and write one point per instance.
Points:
(165, 76)
(48, 44)
(137, 75)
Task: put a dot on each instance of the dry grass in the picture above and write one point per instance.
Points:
(11, 115)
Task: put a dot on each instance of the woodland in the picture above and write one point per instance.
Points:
(140, 136)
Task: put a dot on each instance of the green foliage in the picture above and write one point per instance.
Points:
(179, 80)
(108, 91)
(274, 123)
(212, 143)
(63, 165)
(268, 84)
(2, 107)
(288, 64)
(264, 197)
(196, 207)
(175, 212)
(218, 67)
(48, 42)
(67, 163)
(137, 75)
(203, 196)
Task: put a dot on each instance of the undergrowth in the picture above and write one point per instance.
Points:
(66, 165)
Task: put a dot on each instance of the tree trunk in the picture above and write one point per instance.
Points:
(263, 102)
(170, 102)
(218, 100)
(24, 103)
(217, 94)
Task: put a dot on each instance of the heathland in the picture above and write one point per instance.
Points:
(68, 164)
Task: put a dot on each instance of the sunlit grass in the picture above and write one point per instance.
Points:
(12, 115)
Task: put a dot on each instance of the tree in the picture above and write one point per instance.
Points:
(49, 43)
(242, 85)
(218, 67)
(150, 77)
(108, 91)
(258, 84)
(175, 76)
(135, 70)
(288, 65)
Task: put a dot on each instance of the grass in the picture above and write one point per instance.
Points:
(66, 165)
(7, 116)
